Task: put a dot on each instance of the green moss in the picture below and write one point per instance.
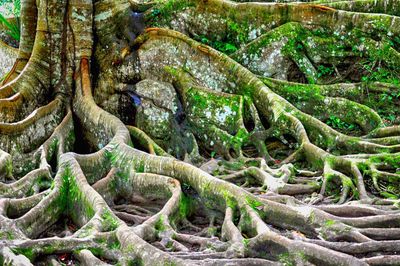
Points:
(27, 252)
(388, 195)
(136, 262)
(286, 259)
(159, 226)
(298, 92)
(330, 223)
(96, 251)
(141, 167)
(9, 168)
(388, 159)
(222, 46)
(7, 235)
(111, 157)
(185, 205)
(230, 201)
(163, 12)
(114, 245)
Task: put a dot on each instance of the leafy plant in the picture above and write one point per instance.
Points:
(225, 47)
(236, 32)
(13, 28)
(336, 122)
(324, 70)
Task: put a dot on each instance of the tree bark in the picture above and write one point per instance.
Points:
(187, 132)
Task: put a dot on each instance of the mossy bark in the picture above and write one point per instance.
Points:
(245, 168)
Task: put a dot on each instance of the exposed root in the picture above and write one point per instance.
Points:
(279, 183)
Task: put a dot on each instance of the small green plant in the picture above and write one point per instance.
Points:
(13, 29)
(12, 7)
(236, 32)
(109, 222)
(212, 154)
(114, 245)
(338, 123)
(324, 71)
(225, 47)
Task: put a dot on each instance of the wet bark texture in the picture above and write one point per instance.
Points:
(191, 132)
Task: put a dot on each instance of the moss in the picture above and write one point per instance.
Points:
(230, 201)
(163, 12)
(87, 231)
(114, 245)
(141, 167)
(329, 223)
(388, 159)
(122, 175)
(111, 156)
(215, 116)
(48, 249)
(7, 235)
(212, 231)
(298, 92)
(27, 252)
(185, 205)
(71, 137)
(286, 259)
(96, 251)
(388, 195)
(159, 226)
(135, 262)
(9, 168)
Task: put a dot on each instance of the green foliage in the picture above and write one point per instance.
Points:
(336, 122)
(379, 74)
(236, 32)
(7, 235)
(114, 245)
(254, 204)
(388, 195)
(163, 12)
(212, 154)
(109, 222)
(388, 159)
(237, 35)
(141, 167)
(224, 47)
(286, 259)
(386, 105)
(185, 205)
(159, 226)
(329, 223)
(13, 29)
(12, 7)
(301, 93)
(27, 252)
(324, 71)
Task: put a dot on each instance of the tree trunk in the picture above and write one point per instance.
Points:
(188, 132)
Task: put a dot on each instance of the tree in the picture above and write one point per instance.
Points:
(127, 138)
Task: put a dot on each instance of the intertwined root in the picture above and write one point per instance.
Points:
(127, 200)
